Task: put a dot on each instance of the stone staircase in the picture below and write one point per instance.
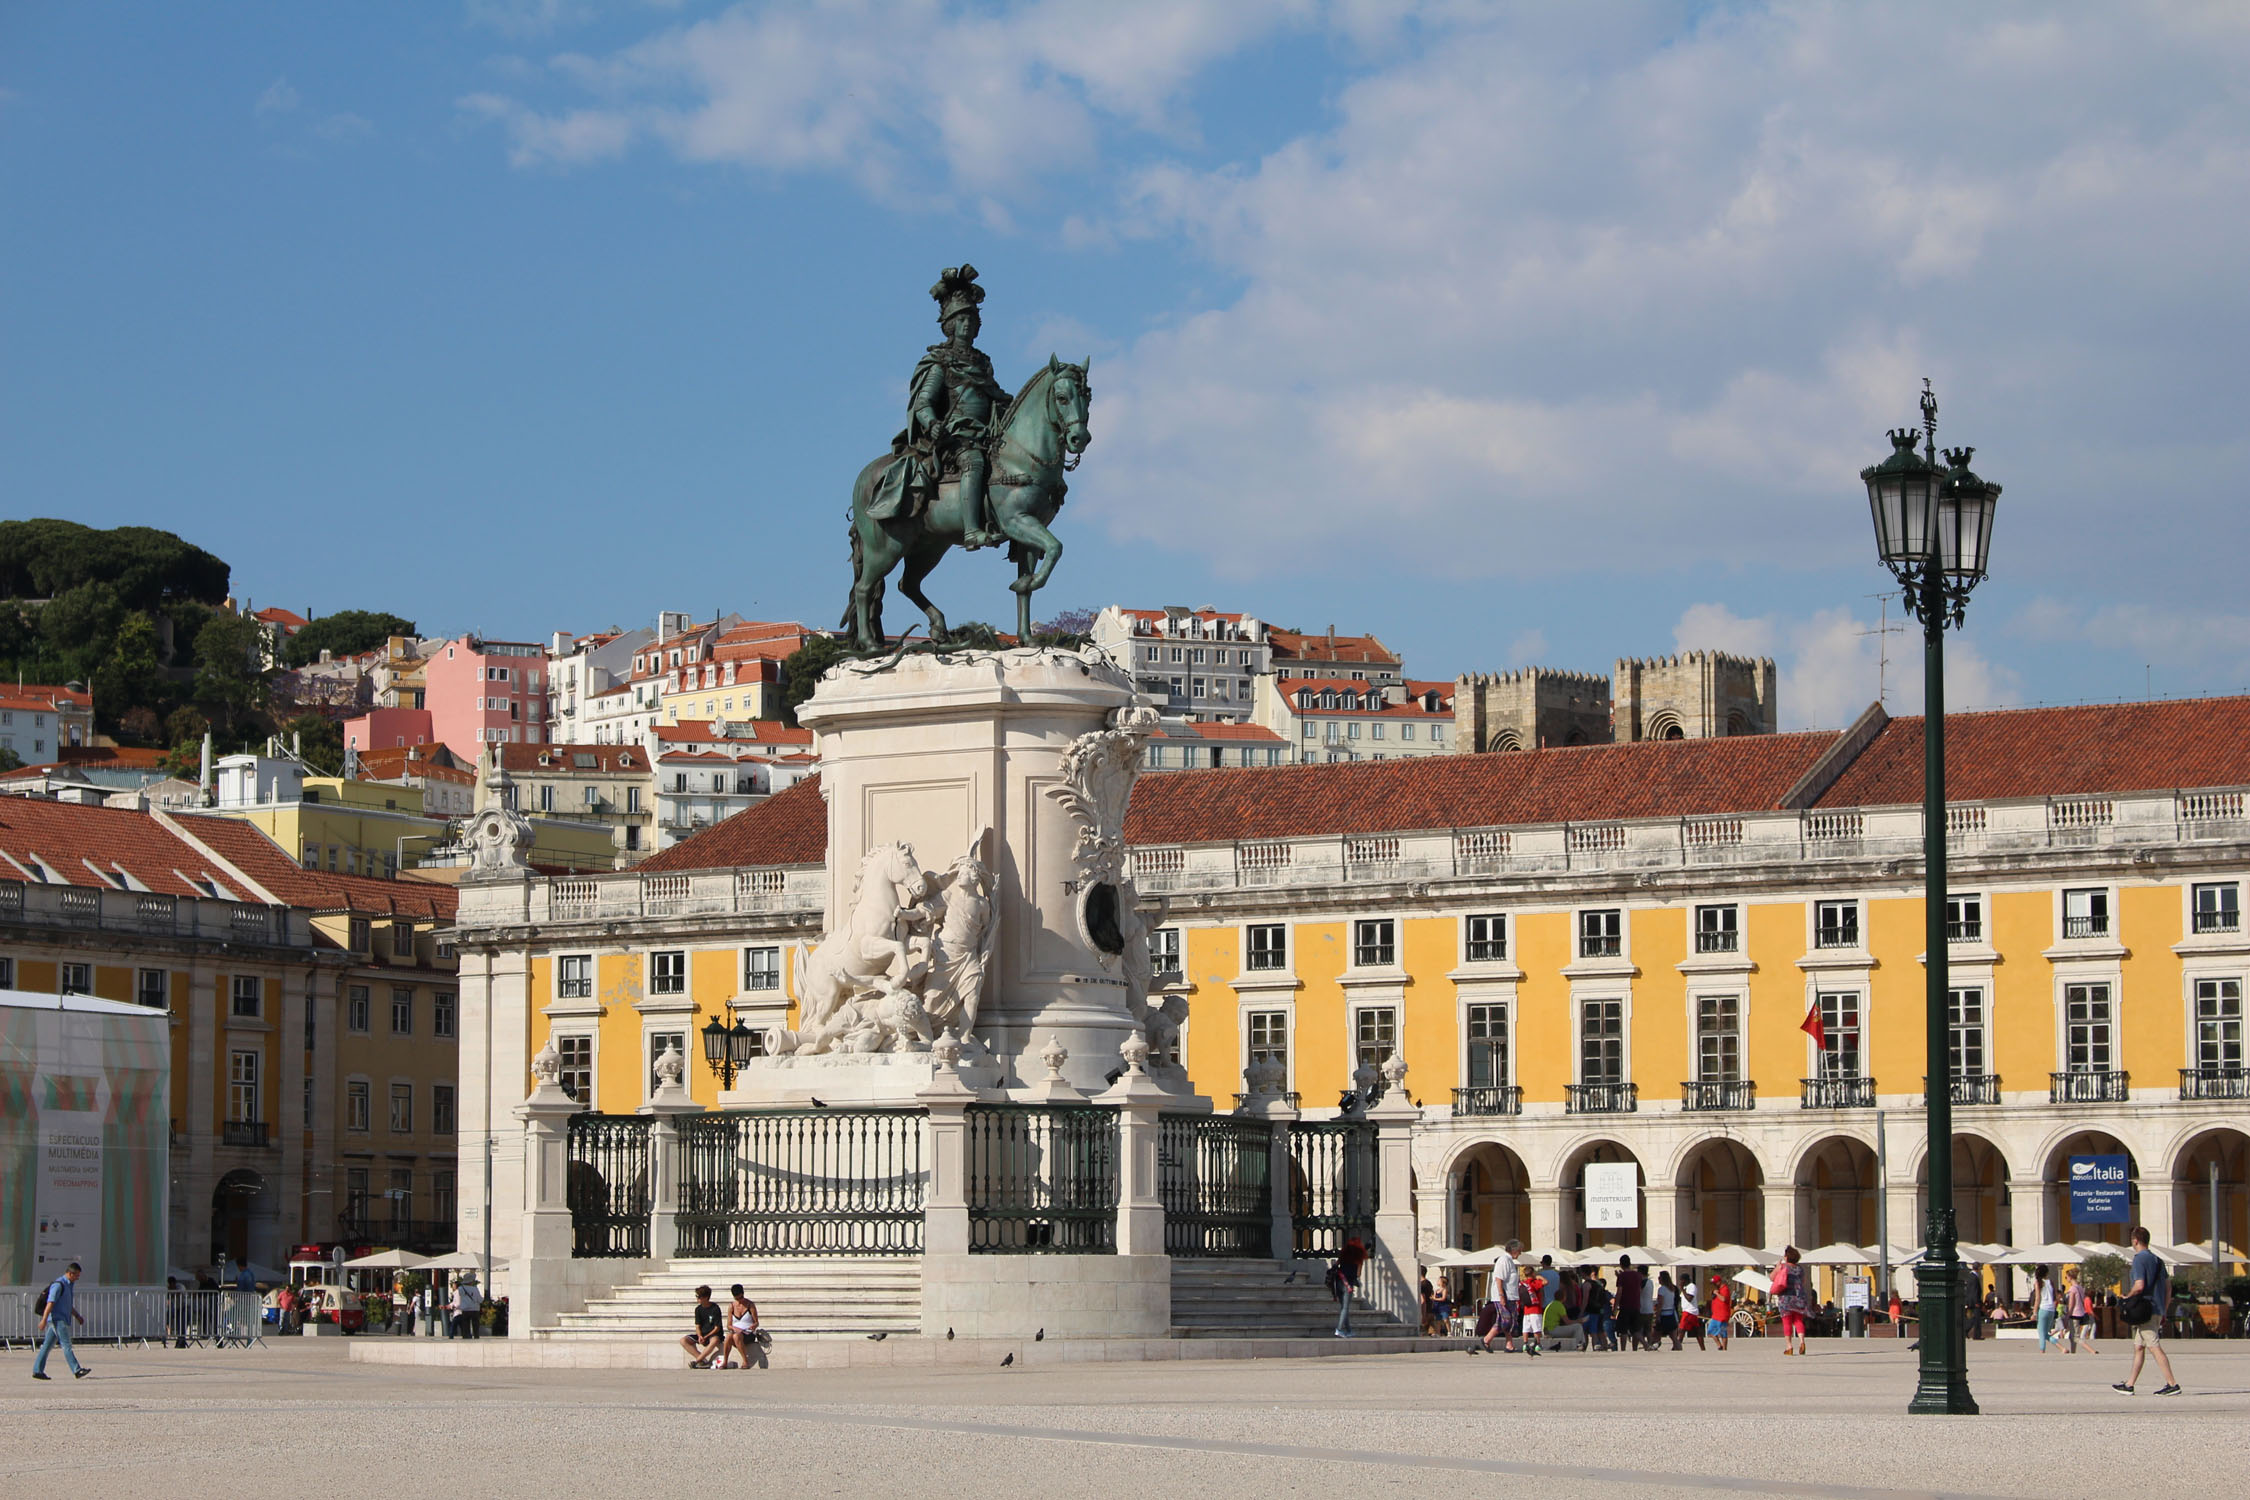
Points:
(1236, 1299)
(800, 1296)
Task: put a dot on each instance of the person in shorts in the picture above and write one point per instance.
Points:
(709, 1339)
(2149, 1278)
(1722, 1311)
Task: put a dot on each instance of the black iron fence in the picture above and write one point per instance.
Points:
(2214, 1083)
(1837, 1093)
(1333, 1185)
(609, 1188)
(1973, 1088)
(802, 1182)
(1601, 1098)
(1042, 1179)
(1214, 1174)
(1488, 1099)
(1719, 1094)
(2108, 1086)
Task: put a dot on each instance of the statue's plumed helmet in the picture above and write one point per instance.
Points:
(957, 291)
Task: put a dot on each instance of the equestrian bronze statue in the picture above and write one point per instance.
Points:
(973, 468)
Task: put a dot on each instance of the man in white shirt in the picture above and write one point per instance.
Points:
(1507, 1296)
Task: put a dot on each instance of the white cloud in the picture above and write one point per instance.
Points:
(279, 98)
(523, 19)
(1528, 648)
(1832, 663)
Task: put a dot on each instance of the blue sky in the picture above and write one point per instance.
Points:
(1515, 334)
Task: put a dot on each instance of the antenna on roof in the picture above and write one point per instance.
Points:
(1883, 629)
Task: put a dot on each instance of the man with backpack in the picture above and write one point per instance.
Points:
(58, 1309)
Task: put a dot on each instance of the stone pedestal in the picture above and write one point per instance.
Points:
(1394, 1264)
(670, 1102)
(543, 1267)
(933, 750)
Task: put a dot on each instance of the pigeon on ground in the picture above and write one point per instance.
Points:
(1011, 1359)
(1040, 1335)
(1292, 1276)
(877, 1338)
(949, 1335)
(819, 1103)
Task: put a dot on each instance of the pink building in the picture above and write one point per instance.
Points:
(480, 692)
(388, 729)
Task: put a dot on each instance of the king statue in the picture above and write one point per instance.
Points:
(953, 411)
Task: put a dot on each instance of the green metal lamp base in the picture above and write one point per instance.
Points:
(1943, 1387)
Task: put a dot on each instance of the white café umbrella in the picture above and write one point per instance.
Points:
(472, 1260)
(1725, 1255)
(1454, 1260)
(1607, 1255)
(2200, 1250)
(1975, 1254)
(1757, 1281)
(2053, 1254)
(1841, 1253)
(386, 1260)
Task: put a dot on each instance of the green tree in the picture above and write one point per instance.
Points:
(9, 760)
(230, 686)
(319, 741)
(348, 632)
(46, 558)
(801, 669)
(76, 629)
(131, 678)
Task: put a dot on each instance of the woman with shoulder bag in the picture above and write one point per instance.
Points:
(1791, 1296)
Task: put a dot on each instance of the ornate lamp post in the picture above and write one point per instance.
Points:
(1933, 530)
(728, 1049)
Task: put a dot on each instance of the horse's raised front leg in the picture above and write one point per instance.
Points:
(1024, 527)
(919, 562)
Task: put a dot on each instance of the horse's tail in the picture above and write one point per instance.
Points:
(851, 525)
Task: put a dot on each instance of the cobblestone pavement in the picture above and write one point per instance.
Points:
(299, 1419)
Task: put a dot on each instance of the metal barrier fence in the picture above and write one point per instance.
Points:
(802, 1182)
(1214, 1174)
(1042, 1179)
(142, 1315)
(1333, 1185)
(610, 1184)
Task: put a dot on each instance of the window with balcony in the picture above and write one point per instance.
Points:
(2086, 913)
(242, 1085)
(355, 1104)
(1374, 1038)
(249, 995)
(1601, 1042)
(574, 977)
(2218, 1026)
(1836, 924)
(667, 973)
(1488, 1046)
(1840, 1054)
(402, 1012)
(1718, 929)
(358, 1003)
(1485, 940)
(402, 1109)
(577, 1073)
(1268, 947)
(441, 1109)
(1964, 919)
(399, 1198)
(1966, 1051)
(2218, 908)
(1718, 1038)
(761, 968)
(2089, 1041)
(1601, 934)
(355, 1194)
(1375, 943)
(153, 988)
(443, 1007)
(1164, 952)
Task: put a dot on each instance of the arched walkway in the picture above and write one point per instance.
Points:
(1835, 1192)
(2228, 1150)
(1490, 1194)
(1722, 1197)
(244, 1218)
(1571, 1231)
(2055, 1187)
(1982, 1210)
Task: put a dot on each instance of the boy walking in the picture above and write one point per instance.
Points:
(60, 1312)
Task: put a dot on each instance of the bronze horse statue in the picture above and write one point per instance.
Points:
(1040, 440)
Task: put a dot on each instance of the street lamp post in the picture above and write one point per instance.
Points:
(728, 1049)
(1933, 530)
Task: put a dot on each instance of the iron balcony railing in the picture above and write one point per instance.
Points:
(608, 1189)
(1719, 1094)
(1600, 944)
(255, 1133)
(1214, 1174)
(1292, 1098)
(1964, 932)
(1837, 935)
(802, 1182)
(1718, 941)
(2085, 927)
(1837, 1093)
(2215, 1083)
(2105, 1086)
(1042, 1179)
(1334, 1189)
(2218, 921)
(1973, 1088)
(1487, 1099)
(1601, 1098)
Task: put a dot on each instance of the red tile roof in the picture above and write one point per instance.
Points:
(246, 847)
(62, 835)
(288, 619)
(1218, 731)
(1295, 689)
(585, 760)
(788, 828)
(1294, 645)
(761, 732)
(2057, 752)
(1160, 614)
(111, 757)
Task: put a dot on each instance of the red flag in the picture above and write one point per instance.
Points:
(1813, 1028)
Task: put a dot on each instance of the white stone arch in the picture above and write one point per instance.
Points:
(1694, 1144)
(1505, 740)
(1664, 724)
(1802, 1150)
(1741, 1213)
(2176, 1150)
(1509, 1219)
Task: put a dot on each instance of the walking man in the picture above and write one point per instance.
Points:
(1506, 1291)
(2147, 1279)
(55, 1320)
(1348, 1263)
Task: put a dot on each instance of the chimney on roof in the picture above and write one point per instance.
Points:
(203, 783)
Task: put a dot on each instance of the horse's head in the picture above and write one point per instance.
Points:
(1069, 394)
(894, 865)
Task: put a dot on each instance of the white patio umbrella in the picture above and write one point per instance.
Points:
(1841, 1253)
(1975, 1254)
(2200, 1250)
(386, 1260)
(1606, 1255)
(1756, 1281)
(2054, 1254)
(1726, 1255)
(472, 1260)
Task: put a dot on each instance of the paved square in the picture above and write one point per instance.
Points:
(298, 1419)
